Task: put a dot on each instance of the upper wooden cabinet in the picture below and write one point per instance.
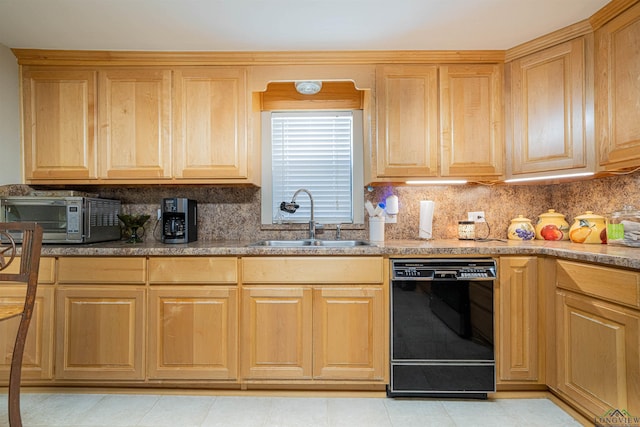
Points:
(135, 124)
(471, 121)
(155, 125)
(210, 123)
(617, 88)
(407, 121)
(438, 121)
(59, 109)
(550, 102)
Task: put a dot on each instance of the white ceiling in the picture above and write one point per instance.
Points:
(284, 25)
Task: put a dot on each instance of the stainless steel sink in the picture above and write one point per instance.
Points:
(312, 243)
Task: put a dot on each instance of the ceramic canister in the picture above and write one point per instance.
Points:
(588, 228)
(521, 229)
(551, 225)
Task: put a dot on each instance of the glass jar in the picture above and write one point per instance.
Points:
(623, 227)
(588, 228)
(552, 226)
(466, 230)
(521, 229)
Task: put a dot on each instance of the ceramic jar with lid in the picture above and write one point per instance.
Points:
(521, 229)
(588, 228)
(551, 225)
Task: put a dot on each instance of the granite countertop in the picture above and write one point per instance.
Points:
(619, 256)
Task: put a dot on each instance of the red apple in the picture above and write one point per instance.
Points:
(551, 232)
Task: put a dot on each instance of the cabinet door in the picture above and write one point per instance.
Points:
(193, 333)
(617, 62)
(99, 333)
(210, 121)
(471, 121)
(548, 111)
(517, 321)
(135, 124)
(37, 361)
(349, 333)
(407, 121)
(598, 363)
(276, 333)
(59, 125)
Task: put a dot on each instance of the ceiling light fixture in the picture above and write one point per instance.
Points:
(308, 87)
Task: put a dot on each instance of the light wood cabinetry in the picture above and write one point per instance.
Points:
(135, 125)
(210, 124)
(100, 318)
(407, 121)
(349, 333)
(59, 116)
(325, 321)
(598, 367)
(550, 100)
(277, 332)
(471, 121)
(617, 88)
(134, 113)
(37, 364)
(519, 343)
(438, 121)
(193, 318)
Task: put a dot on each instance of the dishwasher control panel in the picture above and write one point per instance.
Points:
(443, 269)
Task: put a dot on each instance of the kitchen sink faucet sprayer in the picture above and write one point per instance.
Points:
(293, 206)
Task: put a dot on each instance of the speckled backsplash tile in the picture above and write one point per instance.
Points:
(233, 213)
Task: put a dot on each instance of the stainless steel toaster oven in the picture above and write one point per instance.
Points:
(65, 219)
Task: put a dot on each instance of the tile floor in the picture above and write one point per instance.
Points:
(111, 410)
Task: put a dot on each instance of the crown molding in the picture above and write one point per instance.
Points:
(562, 35)
(610, 11)
(151, 58)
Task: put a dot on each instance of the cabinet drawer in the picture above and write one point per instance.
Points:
(312, 270)
(46, 273)
(611, 284)
(193, 270)
(101, 270)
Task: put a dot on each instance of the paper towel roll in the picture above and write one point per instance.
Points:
(426, 219)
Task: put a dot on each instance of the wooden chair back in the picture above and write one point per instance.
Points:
(23, 241)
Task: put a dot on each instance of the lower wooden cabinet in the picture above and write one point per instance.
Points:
(100, 333)
(319, 333)
(598, 362)
(598, 337)
(349, 333)
(193, 333)
(37, 362)
(516, 322)
(277, 333)
(328, 323)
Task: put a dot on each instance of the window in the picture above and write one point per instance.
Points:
(320, 151)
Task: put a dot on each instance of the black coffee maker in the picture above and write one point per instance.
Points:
(179, 223)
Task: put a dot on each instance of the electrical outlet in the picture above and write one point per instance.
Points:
(477, 216)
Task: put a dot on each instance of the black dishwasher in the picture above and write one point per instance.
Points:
(442, 328)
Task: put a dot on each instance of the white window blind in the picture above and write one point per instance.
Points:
(313, 150)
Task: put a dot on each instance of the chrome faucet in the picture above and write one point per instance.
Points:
(293, 206)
